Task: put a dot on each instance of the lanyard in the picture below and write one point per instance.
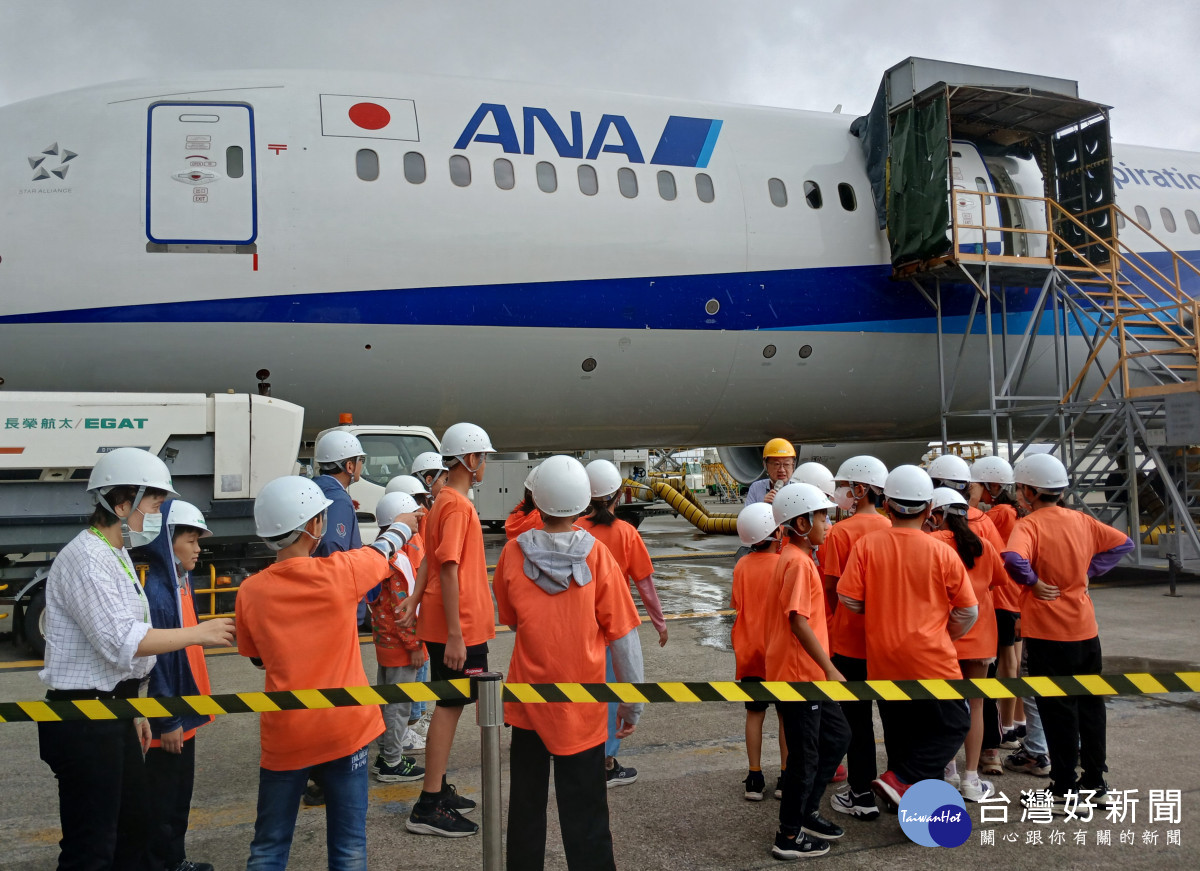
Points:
(141, 594)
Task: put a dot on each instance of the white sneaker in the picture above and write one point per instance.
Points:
(421, 726)
(976, 790)
(412, 742)
(952, 779)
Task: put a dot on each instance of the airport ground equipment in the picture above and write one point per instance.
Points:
(1025, 209)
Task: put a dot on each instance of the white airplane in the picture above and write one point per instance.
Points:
(569, 269)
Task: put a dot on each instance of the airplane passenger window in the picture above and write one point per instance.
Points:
(589, 185)
(505, 177)
(704, 187)
(627, 182)
(460, 170)
(666, 185)
(1143, 217)
(366, 163)
(1168, 219)
(812, 193)
(1120, 222)
(846, 195)
(778, 191)
(1193, 221)
(233, 161)
(414, 167)
(547, 178)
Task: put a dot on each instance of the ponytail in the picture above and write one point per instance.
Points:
(967, 542)
(526, 505)
(602, 511)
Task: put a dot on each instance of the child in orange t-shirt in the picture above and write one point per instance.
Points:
(525, 515)
(297, 617)
(915, 597)
(456, 620)
(563, 594)
(752, 575)
(797, 644)
(1053, 553)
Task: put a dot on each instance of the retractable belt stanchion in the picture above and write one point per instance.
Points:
(487, 689)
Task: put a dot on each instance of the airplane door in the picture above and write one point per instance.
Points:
(200, 174)
(969, 173)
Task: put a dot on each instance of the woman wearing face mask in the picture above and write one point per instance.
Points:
(100, 644)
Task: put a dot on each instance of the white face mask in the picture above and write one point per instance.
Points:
(843, 497)
(151, 527)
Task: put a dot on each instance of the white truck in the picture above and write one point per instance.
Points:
(221, 449)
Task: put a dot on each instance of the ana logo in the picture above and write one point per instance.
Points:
(932, 814)
(41, 165)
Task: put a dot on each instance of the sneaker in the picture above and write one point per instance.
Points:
(798, 846)
(1020, 729)
(989, 762)
(420, 726)
(976, 790)
(1011, 740)
(756, 784)
(619, 775)
(840, 775)
(855, 804)
(314, 796)
(185, 865)
(377, 763)
(819, 827)
(1025, 763)
(438, 819)
(450, 798)
(953, 779)
(412, 742)
(1103, 797)
(779, 787)
(889, 789)
(405, 770)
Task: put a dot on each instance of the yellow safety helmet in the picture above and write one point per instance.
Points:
(778, 448)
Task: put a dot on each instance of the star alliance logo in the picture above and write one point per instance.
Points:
(40, 164)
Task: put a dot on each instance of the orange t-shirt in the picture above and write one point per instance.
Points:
(300, 617)
(986, 576)
(751, 579)
(908, 583)
(519, 522)
(1004, 518)
(626, 546)
(1006, 595)
(795, 588)
(1059, 544)
(847, 632)
(454, 535)
(195, 656)
(561, 638)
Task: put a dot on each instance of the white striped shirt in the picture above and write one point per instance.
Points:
(96, 616)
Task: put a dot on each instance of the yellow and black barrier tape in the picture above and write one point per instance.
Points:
(666, 691)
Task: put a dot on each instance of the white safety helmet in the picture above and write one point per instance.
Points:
(182, 513)
(908, 484)
(605, 478)
(406, 484)
(950, 468)
(284, 506)
(337, 446)
(992, 470)
(797, 500)
(1044, 473)
(392, 504)
(429, 461)
(465, 438)
(756, 523)
(863, 470)
(816, 474)
(128, 467)
(562, 488)
(530, 478)
(950, 501)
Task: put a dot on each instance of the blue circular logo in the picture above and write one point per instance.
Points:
(932, 813)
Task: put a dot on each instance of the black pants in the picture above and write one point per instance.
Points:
(582, 792)
(102, 794)
(1075, 726)
(861, 768)
(923, 735)
(170, 777)
(817, 737)
(993, 732)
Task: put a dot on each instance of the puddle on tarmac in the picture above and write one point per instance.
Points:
(1143, 665)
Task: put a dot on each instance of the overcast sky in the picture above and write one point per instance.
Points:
(1139, 58)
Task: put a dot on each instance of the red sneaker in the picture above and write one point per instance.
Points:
(889, 789)
(840, 774)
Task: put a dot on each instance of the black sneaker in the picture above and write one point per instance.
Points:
(405, 770)
(861, 805)
(798, 846)
(450, 798)
(314, 796)
(619, 775)
(376, 764)
(438, 819)
(756, 785)
(819, 827)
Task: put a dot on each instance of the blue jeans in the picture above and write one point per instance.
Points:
(418, 708)
(279, 792)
